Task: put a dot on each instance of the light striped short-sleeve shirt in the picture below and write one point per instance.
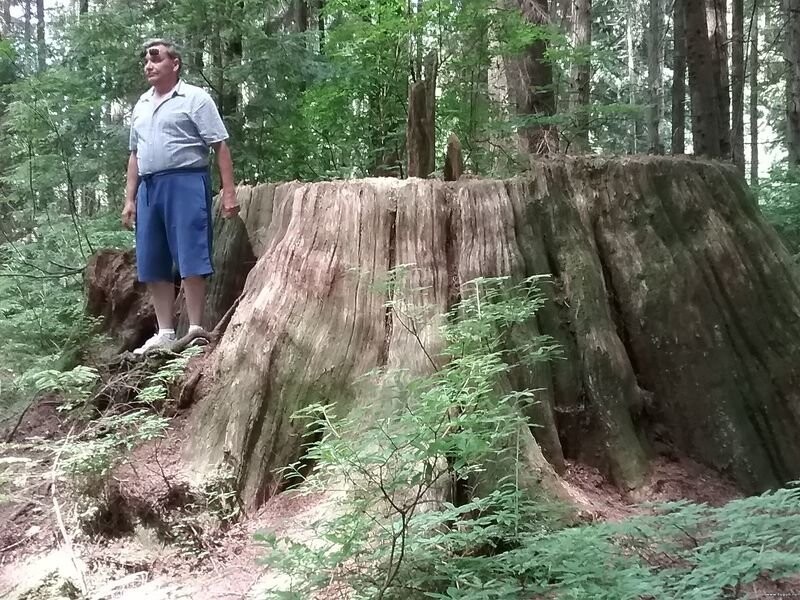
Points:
(177, 133)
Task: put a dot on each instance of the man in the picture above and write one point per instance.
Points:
(168, 192)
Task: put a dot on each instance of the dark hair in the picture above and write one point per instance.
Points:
(172, 50)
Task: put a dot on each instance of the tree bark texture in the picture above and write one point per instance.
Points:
(581, 72)
(27, 30)
(661, 272)
(737, 86)
(717, 21)
(633, 79)
(421, 123)
(655, 57)
(454, 160)
(793, 80)
(754, 66)
(703, 83)
(679, 77)
(6, 7)
(41, 47)
(530, 83)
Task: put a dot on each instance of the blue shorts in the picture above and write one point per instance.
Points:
(173, 225)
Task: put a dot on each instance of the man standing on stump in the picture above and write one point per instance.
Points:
(168, 191)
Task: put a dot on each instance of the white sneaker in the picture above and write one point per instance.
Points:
(159, 340)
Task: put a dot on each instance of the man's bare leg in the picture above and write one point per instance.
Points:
(162, 294)
(194, 290)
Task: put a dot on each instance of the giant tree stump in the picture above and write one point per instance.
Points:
(677, 307)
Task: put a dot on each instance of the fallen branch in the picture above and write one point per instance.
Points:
(14, 429)
(15, 544)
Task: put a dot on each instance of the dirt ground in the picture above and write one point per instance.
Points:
(128, 554)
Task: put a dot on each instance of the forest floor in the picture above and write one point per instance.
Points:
(149, 544)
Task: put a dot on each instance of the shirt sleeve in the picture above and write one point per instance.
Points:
(208, 122)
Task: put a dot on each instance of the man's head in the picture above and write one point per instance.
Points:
(162, 63)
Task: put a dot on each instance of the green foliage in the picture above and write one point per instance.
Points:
(42, 322)
(88, 458)
(406, 519)
(403, 516)
(779, 197)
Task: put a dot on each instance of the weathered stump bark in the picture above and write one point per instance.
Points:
(454, 161)
(114, 295)
(420, 131)
(237, 242)
(676, 305)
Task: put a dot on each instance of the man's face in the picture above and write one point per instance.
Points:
(159, 67)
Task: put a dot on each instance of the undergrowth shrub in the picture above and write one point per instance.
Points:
(779, 197)
(398, 528)
(42, 320)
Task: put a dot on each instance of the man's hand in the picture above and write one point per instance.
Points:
(230, 207)
(128, 215)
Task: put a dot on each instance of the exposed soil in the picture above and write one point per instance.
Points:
(27, 527)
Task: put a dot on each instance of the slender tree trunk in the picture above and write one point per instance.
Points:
(655, 56)
(792, 8)
(530, 83)
(229, 102)
(41, 47)
(679, 78)
(754, 64)
(737, 88)
(702, 83)
(301, 15)
(27, 31)
(6, 6)
(716, 14)
(633, 81)
(321, 23)
(581, 71)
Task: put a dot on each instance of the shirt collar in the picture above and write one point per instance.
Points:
(176, 91)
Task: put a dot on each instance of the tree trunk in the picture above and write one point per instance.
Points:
(421, 124)
(454, 161)
(633, 80)
(717, 20)
(655, 56)
(706, 120)
(581, 71)
(229, 96)
(737, 88)
(793, 81)
(6, 7)
(41, 47)
(754, 66)
(27, 30)
(321, 24)
(667, 344)
(679, 78)
(530, 83)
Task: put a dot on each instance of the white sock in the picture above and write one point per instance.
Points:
(170, 333)
(193, 328)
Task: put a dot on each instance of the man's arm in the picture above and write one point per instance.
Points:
(230, 207)
(132, 182)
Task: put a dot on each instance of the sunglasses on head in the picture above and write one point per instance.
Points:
(154, 52)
